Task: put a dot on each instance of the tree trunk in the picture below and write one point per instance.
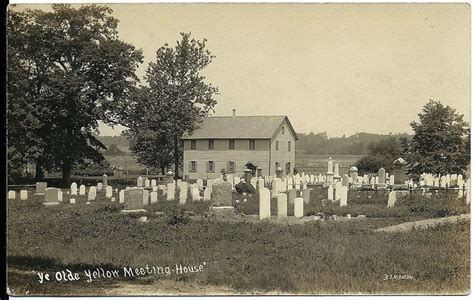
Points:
(66, 173)
(176, 158)
(39, 175)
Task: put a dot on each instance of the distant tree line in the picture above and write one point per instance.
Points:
(356, 144)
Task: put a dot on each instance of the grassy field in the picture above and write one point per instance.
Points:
(330, 257)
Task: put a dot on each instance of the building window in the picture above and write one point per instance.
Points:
(283, 130)
(251, 144)
(231, 166)
(192, 166)
(231, 144)
(210, 166)
(193, 144)
(288, 168)
(211, 144)
(276, 145)
(289, 145)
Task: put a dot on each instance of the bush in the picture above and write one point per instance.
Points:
(176, 216)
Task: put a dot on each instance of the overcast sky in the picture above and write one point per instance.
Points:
(339, 68)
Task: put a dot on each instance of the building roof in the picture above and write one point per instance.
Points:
(239, 127)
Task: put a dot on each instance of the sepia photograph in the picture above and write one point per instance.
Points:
(204, 149)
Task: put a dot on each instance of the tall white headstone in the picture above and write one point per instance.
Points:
(23, 195)
(343, 196)
(122, 196)
(282, 204)
(99, 186)
(392, 199)
(154, 197)
(200, 184)
(170, 188)
(299, 203)
(73, 189)
(207, 194)
(82, 190)
(153, 183)
(264, 204)
(108, 191)
(139, 181)
(330, 192)
(337, 195)
(183, 192)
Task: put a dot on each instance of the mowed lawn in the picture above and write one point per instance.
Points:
(330, 257)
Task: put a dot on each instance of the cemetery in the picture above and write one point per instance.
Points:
(336, 209)
(127, 178)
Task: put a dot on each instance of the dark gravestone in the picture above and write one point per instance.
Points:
(222, 193)
(134, 199)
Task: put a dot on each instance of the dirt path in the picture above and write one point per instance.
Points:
(424, 224)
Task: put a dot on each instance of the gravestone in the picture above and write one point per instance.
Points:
(51, 196)
(147, 183)
(153, 183)
(343, 201)
(345, 180)
(72, 201)
(353, 173)
(306, 195)
(275, 186)
(73, 189)
(122, 196)
(331, 192)
(337, 194)
(99, 186)
(40, 188)
(382, 177)
(221, 194)
(23, 195)
(170, 190)
(153, 197)
(11, 195)
(108, 191)
(299, 204)
(392, 179)
(104, 180)
(60, 195)
(261, 183)
(282, 204)
(183, 192)
(82, 190)
(195, 194)
(200, 184)
(92, 193)
(134, 200)
(207, 194)
(291, 196)
(146, 195)
(392, 199)
(139, 181)
(264, 204)
(253, 182)
(399, 170)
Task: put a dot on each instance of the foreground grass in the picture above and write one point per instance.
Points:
(314, 258)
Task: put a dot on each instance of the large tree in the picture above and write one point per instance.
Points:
(441, 143)
(67, 69)
(179, 92)
(148, 132)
